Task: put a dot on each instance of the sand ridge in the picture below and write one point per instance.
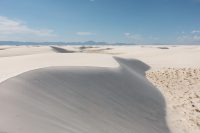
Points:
(83, 99)
(179, 84)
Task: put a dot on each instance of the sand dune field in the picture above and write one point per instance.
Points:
(101, 89)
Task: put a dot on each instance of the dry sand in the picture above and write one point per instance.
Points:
(83, 99)
(181, 88)
(90, 89)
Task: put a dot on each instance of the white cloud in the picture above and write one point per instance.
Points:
(196, 37)
(138, 38)
(191, 37)
(195, 31)
(85, 33)
(183, 32)
(135, 37)
(127, 34)
(10, 29)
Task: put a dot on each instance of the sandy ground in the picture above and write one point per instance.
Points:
(181, 90)
(172, 70)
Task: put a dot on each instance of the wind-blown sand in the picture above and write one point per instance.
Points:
(82, 99)
(99, 89)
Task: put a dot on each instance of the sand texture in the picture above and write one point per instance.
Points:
(100, 89)
(181, 88)
(83, 99)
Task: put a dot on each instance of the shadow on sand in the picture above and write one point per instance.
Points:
(61, 50)
(83, 100)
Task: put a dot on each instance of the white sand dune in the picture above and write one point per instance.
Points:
(13, 66)
(109, 94)
(174, 56)
(82, 100)
(24, 50)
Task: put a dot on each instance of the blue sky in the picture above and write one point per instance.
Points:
(129, 21)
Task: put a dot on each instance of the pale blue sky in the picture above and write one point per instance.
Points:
(130, 21)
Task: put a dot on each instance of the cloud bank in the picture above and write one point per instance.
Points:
(135, 37)
(16, 30)
(189, 37)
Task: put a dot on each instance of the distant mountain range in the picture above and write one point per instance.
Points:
(60, 43)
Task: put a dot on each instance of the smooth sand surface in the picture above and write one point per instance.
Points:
(99, 89)
(12, 66)
(83, 99)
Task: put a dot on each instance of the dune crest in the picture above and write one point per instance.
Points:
(82, 100)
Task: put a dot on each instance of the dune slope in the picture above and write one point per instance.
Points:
(82, 100)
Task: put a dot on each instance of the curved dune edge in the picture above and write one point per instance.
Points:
(11, 67)
(82, 99)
